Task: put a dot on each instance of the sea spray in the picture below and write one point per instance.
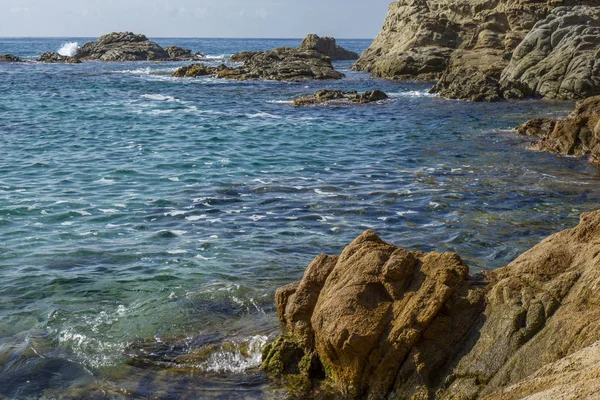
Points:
(68, 49)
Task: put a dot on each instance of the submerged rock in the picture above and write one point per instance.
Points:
(340, 97)
(328, 47)
(558, 57)
(177, 53)
(282, 64)
(52, 57)
(577, 135)
(381, 322)
(122, 46)
(9, 58)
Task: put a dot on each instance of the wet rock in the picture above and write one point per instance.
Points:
(51, 57)
(282, 64)
(557, 58)
(196, 70)
(177, 53)
(340, 97)
(388, 323)
(328, 47)
(9, 58)
(122, 46)
(576, 135)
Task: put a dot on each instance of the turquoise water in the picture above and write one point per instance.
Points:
(146, 221)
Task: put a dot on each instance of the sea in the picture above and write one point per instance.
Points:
(146, 221)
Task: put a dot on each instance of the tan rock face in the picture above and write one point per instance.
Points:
(578, 134)
(327, 46)
(387, 323)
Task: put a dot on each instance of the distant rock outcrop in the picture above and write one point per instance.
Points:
(340, 97)
(381, 322)
(122, 46)
(282, 64)
(177, 53)
(52, 58)
(328, 47)
(577, 135)
(9, 58)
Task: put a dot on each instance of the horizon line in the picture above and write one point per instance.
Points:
(177, 37)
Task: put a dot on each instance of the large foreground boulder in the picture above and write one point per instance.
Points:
(282, 64)
(122, 46)
(576, 135)
(327, 47)
(381, 322)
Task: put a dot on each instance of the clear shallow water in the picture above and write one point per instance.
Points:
(146, 221)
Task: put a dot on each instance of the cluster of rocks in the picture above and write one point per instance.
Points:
(53, 58)
(488, 51)
(576, 135)
(282, 64)
(382, 322)
(340, 97)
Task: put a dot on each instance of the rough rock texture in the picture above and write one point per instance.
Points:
(177, 53)
(558, 58)
(374, 313)
(468, 44)
(282, 64)
(328, 47)
(577, 135)
(122, 46)
(9, 58)
(384, 322)
(340, 97)
(196, 70)
(51, 58)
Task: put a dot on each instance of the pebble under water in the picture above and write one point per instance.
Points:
(146, 221)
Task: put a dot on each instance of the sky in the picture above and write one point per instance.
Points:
(193, 18)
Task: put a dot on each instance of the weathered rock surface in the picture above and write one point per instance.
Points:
(177, 53)
(196, 70)
(51, 58)
(9, 58)
(327, 46)
(282, 64)
(558, 58)
(467, 45)
(577, 135)
(340, 97)
(381, 322)
(122, 46)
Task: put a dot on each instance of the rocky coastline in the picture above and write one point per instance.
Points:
(490, 51)
(382, 322)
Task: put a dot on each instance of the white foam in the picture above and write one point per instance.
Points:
(162, 97)
(257, 217)
(83, 213)
(279, 101)
(263, 115)
(175, 213)
(243, 356)
(215, 57)
(413, 93)
(195, 217)
(68, 49)
(403, 213)
(105, 181)
(177, 251)
(109, 210)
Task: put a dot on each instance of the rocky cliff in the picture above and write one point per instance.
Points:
(467, 46)
(381, 322)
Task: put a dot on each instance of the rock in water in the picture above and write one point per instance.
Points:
(52, 57)
(328, 47)
(9, 58)
(196, 70)
(177, 53)
(340, 97)
(381, 322)
(282, 64)
(558, 57)
(577, 135)
(122, 46)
